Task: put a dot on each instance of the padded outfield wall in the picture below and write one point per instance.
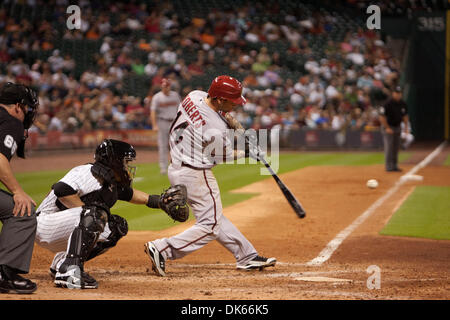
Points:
(425, 70)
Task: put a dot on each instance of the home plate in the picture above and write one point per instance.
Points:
(322, 279)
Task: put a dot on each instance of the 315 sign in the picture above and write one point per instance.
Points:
(436, 24)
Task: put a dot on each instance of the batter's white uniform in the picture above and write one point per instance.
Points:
(165, 107)
(54, 227)
(196, 127)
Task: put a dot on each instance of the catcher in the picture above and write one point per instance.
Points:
(75, 221)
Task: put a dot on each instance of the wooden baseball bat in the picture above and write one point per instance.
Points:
(295, 204)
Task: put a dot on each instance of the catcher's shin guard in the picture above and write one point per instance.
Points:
(84, 237)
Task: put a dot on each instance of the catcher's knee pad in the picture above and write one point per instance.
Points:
(93, 219)
(85, 235)
(119, 228)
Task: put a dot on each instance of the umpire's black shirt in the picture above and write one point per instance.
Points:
(11, 133)
(394, 111)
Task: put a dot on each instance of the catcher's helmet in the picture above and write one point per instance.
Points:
(12, 93)
(116, 154)
(228, 88)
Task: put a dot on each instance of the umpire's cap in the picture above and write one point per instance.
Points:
(12, 93)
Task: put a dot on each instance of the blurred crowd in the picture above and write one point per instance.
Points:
(337, 86)
(401, 8)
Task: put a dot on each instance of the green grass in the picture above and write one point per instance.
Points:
(425, 214)
(447, 161)
(229, 177)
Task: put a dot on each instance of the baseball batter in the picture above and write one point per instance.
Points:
(197, 126)
(74, 220)
(163, 109)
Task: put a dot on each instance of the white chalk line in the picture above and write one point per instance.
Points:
(212, 265)
(332, 246)
(254, 274)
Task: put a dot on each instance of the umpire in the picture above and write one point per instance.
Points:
(392, 114)
(18, 106)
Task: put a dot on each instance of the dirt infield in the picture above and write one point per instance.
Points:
(334, 197)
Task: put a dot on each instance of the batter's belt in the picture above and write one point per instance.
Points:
(183, 164)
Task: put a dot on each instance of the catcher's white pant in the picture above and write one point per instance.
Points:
(54, 230)
(204, 200)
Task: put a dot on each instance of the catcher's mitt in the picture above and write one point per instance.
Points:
(174, 202)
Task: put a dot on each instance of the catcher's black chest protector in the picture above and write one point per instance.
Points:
(108, 195)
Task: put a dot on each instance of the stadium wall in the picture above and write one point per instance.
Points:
(424, 73)
(292, 139)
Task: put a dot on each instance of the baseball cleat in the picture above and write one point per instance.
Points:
(158, 261)
(74, 278)
(258, 263)
(52, 272)
(11, 282)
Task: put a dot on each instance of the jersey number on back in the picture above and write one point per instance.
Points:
(10, 143)
(178, 129)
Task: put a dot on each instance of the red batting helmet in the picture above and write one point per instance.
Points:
(228, 88)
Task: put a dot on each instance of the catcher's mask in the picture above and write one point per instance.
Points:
(116, 155)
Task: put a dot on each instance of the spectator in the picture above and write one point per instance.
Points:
(208, 37)
(56, 123)
(196, 68)
(152, 23)
(356, 57)
(228, 39)
(137, 67)
(253, 35)
(338, 121)
(260, 66)
(365, 81)
(312, 66)
(169, 56)
(56, 61)
(331, 91)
